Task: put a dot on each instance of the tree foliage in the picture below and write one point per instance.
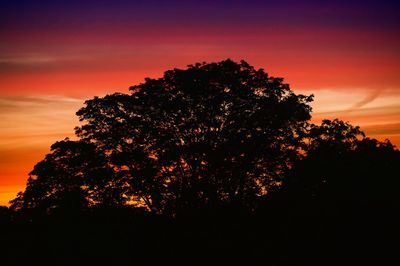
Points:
(71, 176)
(209, 134)
(344, 167)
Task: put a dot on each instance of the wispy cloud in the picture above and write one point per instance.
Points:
(27, 60)
(28, 120)
(369, 98)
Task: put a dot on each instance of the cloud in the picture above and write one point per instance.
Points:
(369, 98)
(27, 60)
(31, 62)
(20, 104)
(383, 129)
(31, 120)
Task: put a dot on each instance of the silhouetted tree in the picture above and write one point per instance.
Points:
(342, 165)
(207, 135)
(72, 177)
(213, 133)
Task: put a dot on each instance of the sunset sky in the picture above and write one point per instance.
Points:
(55, 54)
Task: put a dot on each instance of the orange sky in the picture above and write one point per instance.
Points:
(53, 57)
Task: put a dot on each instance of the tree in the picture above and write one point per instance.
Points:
(342, 165)
(73, 176)
(207, 135)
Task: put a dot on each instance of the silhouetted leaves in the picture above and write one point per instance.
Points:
(342, 165)
(207, 135)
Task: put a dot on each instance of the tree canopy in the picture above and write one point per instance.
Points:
(342, 165)
(210, 134)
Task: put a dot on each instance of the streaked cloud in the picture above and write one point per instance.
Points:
(25, 120)
(369, 98)
(26, 59)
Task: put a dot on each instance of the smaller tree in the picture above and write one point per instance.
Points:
(342, 165)
(65, 179)
(332, 135)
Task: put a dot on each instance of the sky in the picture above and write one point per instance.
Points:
(56, 54)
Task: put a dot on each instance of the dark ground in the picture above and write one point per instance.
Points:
(275, 235)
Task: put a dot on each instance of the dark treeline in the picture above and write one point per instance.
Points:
(214, 164)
